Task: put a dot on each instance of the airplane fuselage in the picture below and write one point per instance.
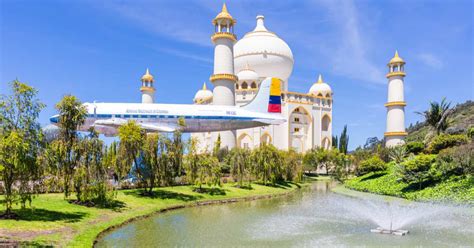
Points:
(107, 117)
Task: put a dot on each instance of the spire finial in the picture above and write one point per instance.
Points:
(204, 86)
(320, 79)
(260, 24)
(224, 8)
(147, 77)
(396, 59)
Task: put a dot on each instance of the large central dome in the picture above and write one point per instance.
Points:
(264, 52)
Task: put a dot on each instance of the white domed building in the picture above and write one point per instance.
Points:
(257, 55)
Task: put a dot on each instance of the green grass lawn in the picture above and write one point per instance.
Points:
(54, 221)
(456, 189)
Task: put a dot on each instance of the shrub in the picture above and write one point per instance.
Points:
(470, 132)
(415, 147)
(416, 169)
(444, 141)
(370, 165)
(456, 161)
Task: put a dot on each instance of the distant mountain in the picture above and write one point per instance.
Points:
(461, 119)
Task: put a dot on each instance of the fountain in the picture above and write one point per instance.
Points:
(381, 230)
(391, 216)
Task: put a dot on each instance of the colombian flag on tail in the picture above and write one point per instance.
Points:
(274, 104)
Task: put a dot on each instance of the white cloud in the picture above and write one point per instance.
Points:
(343, 48)
(431, 60)
(349, 53)
(334, 40)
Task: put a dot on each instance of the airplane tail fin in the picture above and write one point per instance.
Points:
(268, 98)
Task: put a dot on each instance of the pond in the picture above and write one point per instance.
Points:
(311, 217)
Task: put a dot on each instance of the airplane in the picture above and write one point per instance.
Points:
(263, 110)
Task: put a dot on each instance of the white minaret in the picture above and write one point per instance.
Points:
(395, 131)
(223, 78)
(147, 89)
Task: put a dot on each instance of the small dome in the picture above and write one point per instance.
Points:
(224, 15)
(147, 77)
(396, 59)
(247, 74)
(203, 95)
(320, 88)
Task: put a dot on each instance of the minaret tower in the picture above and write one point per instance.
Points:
(395, 132)
(147, 89)
(223, 78)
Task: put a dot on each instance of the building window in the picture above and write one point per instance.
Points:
(297, 129)
(297, 119)
(246, 145)
(245, 85)
(253, 85)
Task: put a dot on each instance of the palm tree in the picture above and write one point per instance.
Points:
(437, 116)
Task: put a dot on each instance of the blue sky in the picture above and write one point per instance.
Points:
(98, 50)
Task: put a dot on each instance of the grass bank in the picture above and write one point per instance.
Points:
(455, 189)
(54, 221)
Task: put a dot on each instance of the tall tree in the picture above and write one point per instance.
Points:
(131, 141)
(90, 175)
(344, 141)
(21, 141)
(319, 158)
(292, 165)
(112, 161)
(437, 116)
(239, 161)
(177, 150)
(334, 141)
(267, 163)
(156, 159)
(208, 171)
(371, 143)
(72, 114)
(217, 145)
(192, 160)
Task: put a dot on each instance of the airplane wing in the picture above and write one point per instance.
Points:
(271, 121)
(150, 127)
(158, 127)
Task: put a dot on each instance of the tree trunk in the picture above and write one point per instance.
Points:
(8, 190)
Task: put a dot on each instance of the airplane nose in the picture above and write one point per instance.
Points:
(54, 119)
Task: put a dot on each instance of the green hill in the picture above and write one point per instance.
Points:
(461, 119)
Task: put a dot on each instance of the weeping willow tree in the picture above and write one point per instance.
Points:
(240, 164)
(267, 164)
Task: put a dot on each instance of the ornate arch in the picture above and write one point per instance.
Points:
(326, 143)
(325, 122)
(264, 138)
(243, 136)
(302, 138)
(301, 145)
